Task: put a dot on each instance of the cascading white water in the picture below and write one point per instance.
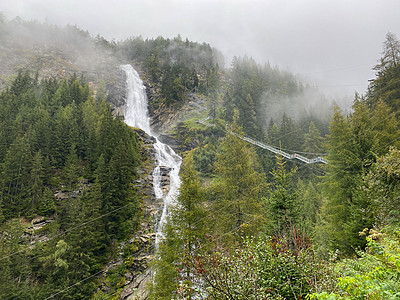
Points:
(136, 115)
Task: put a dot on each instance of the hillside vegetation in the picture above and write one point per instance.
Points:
(65, 162)
(247, 224)
(251, 225)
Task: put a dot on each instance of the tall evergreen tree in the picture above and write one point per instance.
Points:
(238, 188)
(349, 155)
(14, 178)
(36, 180)
(386, 86)
(339, 182)
(314, 142)
(282, 204)
(385, 128)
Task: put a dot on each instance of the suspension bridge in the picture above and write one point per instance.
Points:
(318, 159)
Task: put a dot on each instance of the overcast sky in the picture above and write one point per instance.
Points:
(332, 42)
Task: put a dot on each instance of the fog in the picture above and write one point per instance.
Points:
(333, 44)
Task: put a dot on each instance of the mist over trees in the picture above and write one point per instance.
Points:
(335, 221)
(246, 223)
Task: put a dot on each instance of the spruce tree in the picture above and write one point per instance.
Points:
(36, 180)
(314, 142)
(282, 204)
(46, 205)
(386, 85)
(338, 184)
(385, 129)
(349, 155)
(71, 169)
(15, 173)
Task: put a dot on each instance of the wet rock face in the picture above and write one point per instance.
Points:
(169, 140)
(144, 137)
(142, 244)
(165, 178)
(139, 273)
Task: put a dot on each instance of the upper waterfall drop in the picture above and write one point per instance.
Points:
(136, 114)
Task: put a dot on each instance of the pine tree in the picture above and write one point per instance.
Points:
(339, 182)
(349, 156)
(310, 201)
(248, 117)
(78, 93)
(14, 178)
(42, 139)
(118, 191)
(290, 135)
(386, 86)
(90, 129)
(385, 128)
(314, 142)
(71, 169)
(36, 180)
(391, 54)
(362, 140)
(274, 133)
(238, 188)
(66, 133)
(188, 215)
(46, 205)
(282, 204)
(62, 96)
(78, 257)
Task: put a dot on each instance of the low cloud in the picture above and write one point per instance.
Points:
(332, 43)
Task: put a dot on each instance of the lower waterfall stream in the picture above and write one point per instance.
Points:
(136, 114)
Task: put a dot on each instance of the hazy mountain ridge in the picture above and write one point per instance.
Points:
(55, 52)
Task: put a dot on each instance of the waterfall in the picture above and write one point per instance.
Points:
(136, 114)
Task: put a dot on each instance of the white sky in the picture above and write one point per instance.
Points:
(332, 42)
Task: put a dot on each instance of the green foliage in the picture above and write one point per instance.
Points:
(349, 155)
(386, 86)
(359, 190)
(314, 142)
(373, 276)
(353, 144)
(175, 66)
(53, 139)
(238, 189)
(282, 204)
(261, 268)
(310, 199)
(383, 188)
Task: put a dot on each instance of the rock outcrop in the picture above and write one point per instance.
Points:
(142, 244)
(139, 274)
(33, 232)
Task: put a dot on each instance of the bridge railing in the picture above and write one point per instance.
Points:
(318, 159)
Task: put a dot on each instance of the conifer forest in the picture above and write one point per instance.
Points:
(152, 168)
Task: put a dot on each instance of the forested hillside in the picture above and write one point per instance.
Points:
(256, 226)
(66, 172)
(247, 224)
